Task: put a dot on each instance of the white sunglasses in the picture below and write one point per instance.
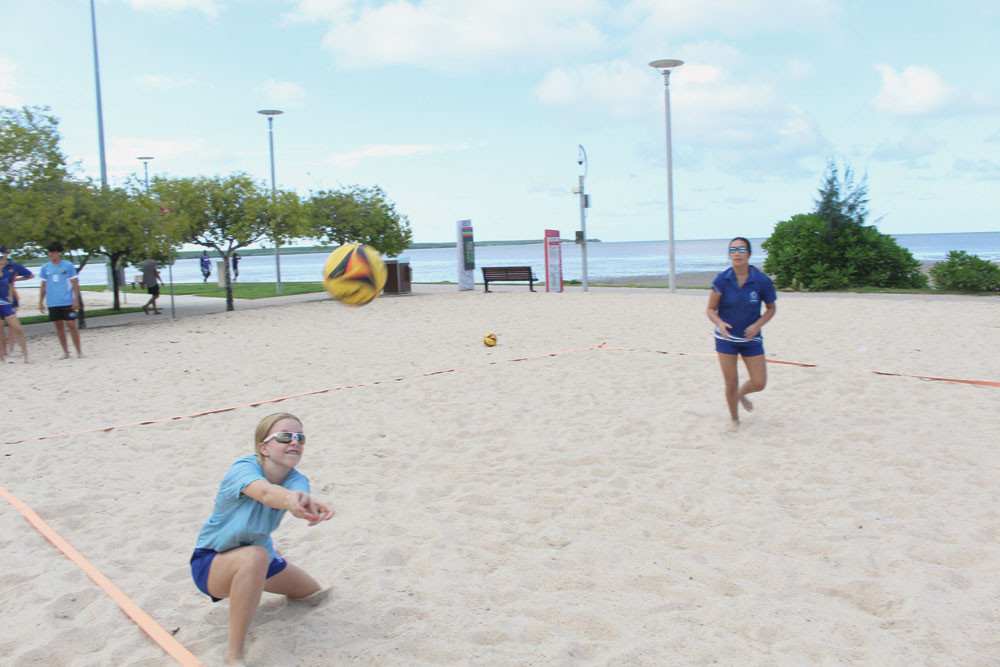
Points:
(285, 437)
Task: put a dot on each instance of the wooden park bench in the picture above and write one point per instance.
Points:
(493, 274)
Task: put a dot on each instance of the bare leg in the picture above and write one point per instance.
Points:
(757, 367)
(17, 332)
(3, 343)
(75, 333)
(730, 374)
(293, 581)
(239, 574)
(61, 333)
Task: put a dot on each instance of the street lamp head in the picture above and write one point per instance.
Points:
(666, 64)
(145, 158)
(270, 112)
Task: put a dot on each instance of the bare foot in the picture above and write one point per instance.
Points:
(65, 356)
(745, 402)
(80, 355)
(734, 427)
(239, 662)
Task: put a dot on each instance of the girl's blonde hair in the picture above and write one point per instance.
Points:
(264, 428)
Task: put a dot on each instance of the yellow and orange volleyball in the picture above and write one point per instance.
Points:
(354, 274)
(490, 339)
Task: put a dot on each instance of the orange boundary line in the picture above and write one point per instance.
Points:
(156, 632)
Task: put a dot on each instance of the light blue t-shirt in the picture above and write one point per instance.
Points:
(237, 519)
(58, 283)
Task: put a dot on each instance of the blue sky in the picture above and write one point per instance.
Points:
(472, 109)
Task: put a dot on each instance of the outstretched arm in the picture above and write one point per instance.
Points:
(300, 504)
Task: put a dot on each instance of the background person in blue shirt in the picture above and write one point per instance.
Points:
(8, 316)
(234, 557)
(734, 307)
(60, 293)
(13, 273)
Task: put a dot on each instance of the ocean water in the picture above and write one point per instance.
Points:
(604, 260)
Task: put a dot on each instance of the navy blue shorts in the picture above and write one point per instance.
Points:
(751, 348)
(201, 563)
(6, 311)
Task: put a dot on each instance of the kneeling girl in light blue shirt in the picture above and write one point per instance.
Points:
(234, 556)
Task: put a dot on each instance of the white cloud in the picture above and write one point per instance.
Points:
(454, 35)
(210, 8)
(745, 125)
(283, 94)
(995, 137)
(159, 82)
(980, 170)
(913, 146)
(727, 17)
(8, 82)
(620, 86)
(913, 91)
(389, 151)
(122, 153)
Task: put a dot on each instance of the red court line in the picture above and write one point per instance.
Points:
(156, 632)
(452, 370)
(255, 404)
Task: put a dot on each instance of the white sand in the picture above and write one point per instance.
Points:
(585, 508)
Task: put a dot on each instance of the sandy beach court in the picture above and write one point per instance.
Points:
(525, 508)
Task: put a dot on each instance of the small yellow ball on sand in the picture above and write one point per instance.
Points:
(489, 340)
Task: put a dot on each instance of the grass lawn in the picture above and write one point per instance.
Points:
(240, 290)
(101, 312)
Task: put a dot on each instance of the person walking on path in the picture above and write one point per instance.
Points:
(236, 266)
(60, 295)
(734, 308)
(152, 280)
(206, 266)
(13, 273)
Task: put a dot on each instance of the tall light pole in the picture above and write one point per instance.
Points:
(584, 203)
(145, 166)
(664, 66)
(271, 113)
(97, 86)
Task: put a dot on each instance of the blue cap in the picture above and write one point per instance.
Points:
(3, 249)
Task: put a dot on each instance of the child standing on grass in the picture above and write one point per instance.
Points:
(235, 556)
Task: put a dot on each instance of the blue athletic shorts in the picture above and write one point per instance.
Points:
(201, 563)
(6, 311)
(752, 348)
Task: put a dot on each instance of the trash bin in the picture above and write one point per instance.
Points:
(398, 279)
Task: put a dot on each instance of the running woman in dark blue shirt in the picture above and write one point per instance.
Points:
(734, 307)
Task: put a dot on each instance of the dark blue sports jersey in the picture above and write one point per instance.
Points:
(740, 306)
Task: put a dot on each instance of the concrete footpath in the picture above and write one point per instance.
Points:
(187, 306)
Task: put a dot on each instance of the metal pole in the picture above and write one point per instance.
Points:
(277, 255)
(670, 182)
(583, 216)
(145, 165)
(97, 85)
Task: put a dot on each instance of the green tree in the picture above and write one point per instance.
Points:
(358, 215)
(842, 203)
(226, 214)
(33, 175)
(962, 271)
(833, 248)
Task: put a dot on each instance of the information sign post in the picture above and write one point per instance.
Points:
(553, 261)
(466, 256)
